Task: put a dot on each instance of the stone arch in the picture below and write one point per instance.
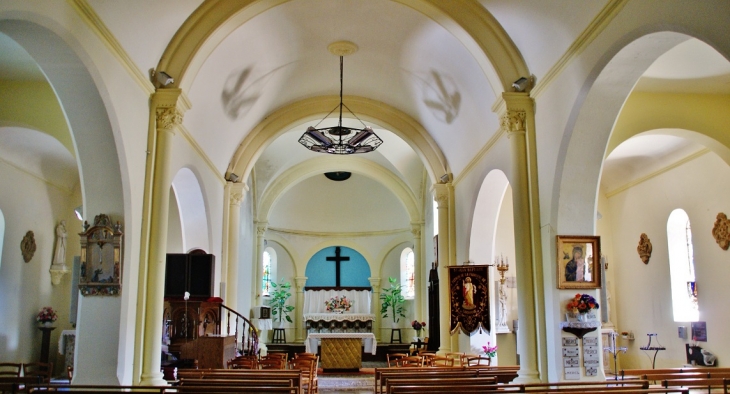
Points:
(193, 212)
(320, 165)
(335, 241)
(315, 108)
(390, 247)
(104, 188)
(467, 20)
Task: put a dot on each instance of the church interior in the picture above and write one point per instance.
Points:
(489, 132)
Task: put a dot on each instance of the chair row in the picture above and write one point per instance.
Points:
(44, 370)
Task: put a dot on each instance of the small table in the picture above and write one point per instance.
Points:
(45, 342)
(279, 336)
(393, 331)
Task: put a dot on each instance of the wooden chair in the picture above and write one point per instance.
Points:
(243, 362)
(478, 361)
(392, 358)
(308, 367)
(272, 363)
(411, 361)
(10, 369)
(441, 361)
(277, 356)
(456, 356)
(306, 356)
(44, 370)
(70, 373)
(464, 356)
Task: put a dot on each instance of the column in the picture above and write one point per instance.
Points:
(442, 197)
(299, 323)
(168, 117)
(517, 120)
(234, 193)
(418, 282)
(258, 273)
(375, 306)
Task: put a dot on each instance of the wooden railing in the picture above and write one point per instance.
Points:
(247, 340)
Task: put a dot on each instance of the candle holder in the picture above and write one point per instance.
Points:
(502, 266)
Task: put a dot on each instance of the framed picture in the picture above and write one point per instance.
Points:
(101, 258)
(579, 262)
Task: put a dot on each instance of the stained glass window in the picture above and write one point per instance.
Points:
(266, 277)
(408, 273)
(682, 267)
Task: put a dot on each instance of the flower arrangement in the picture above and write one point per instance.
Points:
(582, 303)
(46, 315)
(338, 303)
(490, 351)
(418, 326)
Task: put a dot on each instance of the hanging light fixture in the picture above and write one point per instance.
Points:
(340, 140)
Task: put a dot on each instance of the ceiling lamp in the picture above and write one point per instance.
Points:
(340, 140)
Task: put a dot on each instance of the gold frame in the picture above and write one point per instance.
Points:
(101, 258)
(567, 246)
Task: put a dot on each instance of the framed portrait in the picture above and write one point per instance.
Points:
(579, 262)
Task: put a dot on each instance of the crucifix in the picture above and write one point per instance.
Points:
(337, 258)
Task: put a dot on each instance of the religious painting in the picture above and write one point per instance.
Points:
(101, 258)
(469, 298)
(579, 262)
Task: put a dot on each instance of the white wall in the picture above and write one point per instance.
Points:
(642, 296)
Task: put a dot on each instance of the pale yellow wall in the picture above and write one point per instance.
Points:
(174, 227)
(33, 205)
(642, 296)
(504, 245)
(34, 105)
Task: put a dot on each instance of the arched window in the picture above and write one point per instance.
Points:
(682, 267)
(268, 270)
(408, 273)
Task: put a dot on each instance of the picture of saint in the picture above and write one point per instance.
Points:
(468, 291)
(575, 268)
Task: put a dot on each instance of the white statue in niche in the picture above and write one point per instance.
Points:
(59, 256)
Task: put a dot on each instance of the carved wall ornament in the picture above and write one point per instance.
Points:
(721, 231)
(167, 118)
(644, 248)
(27, 246)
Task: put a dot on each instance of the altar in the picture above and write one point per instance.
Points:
(341, 351)
(318, 320)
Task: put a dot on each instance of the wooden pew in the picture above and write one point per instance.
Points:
(294, 378)
(81, 389)
(637, 373)
(709, 384)
(497, 390)
(456, 383)
(502, 374)
(17, 384)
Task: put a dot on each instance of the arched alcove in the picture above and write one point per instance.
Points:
(321, 271)
(193, 215)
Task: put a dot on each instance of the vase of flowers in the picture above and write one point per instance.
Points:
(46, 316)
(418, 326)
(338, 304)
(581, 305)
(490, 351)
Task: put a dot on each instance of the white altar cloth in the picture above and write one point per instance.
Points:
(368, 340)
(339, 316)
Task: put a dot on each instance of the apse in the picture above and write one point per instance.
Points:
(322, 269)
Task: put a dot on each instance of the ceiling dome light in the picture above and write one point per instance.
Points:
(338, 176)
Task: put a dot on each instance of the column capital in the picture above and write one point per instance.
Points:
(167, 118)
(375, 283)
(261, 228)
(441, 194)
(236, 193)
(300, 282)
(514, 112)
(416, 230)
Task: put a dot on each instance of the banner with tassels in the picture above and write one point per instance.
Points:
(469, 297)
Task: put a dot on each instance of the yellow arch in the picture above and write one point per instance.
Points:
(467, 20)
(706, 115)
(385, 251)
(357, 165)
(315, 108)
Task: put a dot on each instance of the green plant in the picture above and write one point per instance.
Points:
(279, 296)
(392, 301)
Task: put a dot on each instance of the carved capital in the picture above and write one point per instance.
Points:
(300, 282)
(441, 195)
(236, 198)
(167, 118)
(644, 249)
(375, 283)
(721, 231)
(416, 230)
(261, 230)
(513, 122)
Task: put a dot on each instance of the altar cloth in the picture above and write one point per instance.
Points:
(346, 316)
(368, 340)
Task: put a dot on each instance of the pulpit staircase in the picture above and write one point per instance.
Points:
(247, 340)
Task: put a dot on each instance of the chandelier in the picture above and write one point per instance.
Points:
(340, 140)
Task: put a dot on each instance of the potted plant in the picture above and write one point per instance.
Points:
(392, 301)
(279, 296)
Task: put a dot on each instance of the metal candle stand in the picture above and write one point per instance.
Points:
(656, 349)
(614, 351)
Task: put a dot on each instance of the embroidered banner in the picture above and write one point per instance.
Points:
(469, 292)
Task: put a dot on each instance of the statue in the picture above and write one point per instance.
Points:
(502, 306)
(59, 256)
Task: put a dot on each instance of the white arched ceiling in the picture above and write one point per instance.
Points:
(193, 215)
(486, 213)
(39, 154)
(327, 163)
